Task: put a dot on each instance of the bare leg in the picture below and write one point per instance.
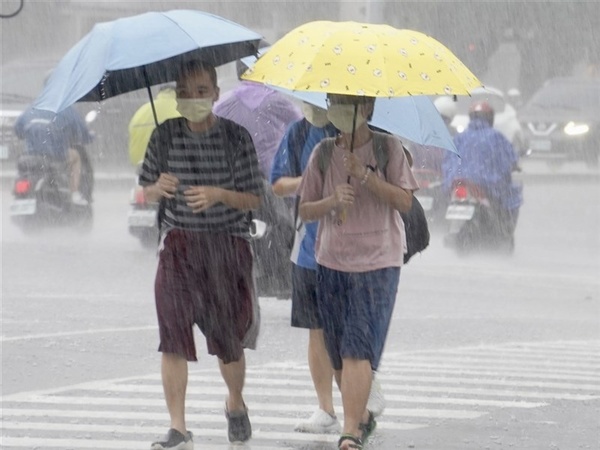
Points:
(234, 375)
(320, 370)
(74, 163)
(355, 387)
(175, 378)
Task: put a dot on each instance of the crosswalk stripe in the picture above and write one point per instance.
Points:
(504, 373)
(31, 443)
(159, 430)
(456, 383)
(554, 356)
(592, 353)
(594, 345)
(272, 407)
(269, 383)
(163, 416)
(525, 363)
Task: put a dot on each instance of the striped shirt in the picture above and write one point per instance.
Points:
(223, 156)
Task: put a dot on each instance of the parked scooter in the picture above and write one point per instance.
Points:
(475, 222)
(42, 196)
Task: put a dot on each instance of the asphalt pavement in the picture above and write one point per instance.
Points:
(485, 352)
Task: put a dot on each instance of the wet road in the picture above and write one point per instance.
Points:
(484, 352)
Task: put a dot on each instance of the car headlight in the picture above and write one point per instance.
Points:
(576, 129)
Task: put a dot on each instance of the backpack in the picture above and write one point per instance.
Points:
(415, 222)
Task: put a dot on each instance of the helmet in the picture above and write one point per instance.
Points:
(482, 110)
(446, 106)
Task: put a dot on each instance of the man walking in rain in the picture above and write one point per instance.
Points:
(205, 170)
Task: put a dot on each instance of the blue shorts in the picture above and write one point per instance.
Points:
(305, 310)
(356, 309)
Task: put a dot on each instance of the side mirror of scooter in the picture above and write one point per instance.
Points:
(258, 229)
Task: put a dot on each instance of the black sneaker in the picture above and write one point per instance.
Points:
(174, 440)
(238, 425)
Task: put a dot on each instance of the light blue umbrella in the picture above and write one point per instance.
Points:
(140, 51)
(413, 118)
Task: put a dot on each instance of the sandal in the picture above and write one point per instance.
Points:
(367, 428)
(356, 442)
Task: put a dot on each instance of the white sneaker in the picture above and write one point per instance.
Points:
(376, 403)
(78, 200)
(320, 422)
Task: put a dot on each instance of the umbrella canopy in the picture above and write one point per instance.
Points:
(413, 118)
(139, 51)
(362, 59)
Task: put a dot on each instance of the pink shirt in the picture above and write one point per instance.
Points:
(372, 236)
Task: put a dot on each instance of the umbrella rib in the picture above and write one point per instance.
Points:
(178, 26)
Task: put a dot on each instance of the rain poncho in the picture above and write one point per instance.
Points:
(486, 159)
(47, 133)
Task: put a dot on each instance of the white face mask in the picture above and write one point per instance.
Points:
(316, 116)
(342, 116)
(195, 109)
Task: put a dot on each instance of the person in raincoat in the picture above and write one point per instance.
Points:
(359, 250)
(142, 122)
(56, 136)
(487, 159)
(206, 171)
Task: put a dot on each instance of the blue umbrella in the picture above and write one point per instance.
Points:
(139, 51)
(414, 118)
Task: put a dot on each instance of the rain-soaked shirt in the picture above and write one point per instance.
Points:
(210, 158)
(291, 162)
(265, 113)
(372, 236)
(47, 133)
(487, 159)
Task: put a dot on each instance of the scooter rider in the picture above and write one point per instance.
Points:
(487, 159)
(55, 137)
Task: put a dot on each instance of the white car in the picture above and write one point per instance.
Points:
(505, 118)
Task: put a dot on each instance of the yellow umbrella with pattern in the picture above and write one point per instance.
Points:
(362, 59)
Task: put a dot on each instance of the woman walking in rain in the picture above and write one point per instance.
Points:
(359, 248)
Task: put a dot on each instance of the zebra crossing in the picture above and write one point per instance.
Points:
(421, 388)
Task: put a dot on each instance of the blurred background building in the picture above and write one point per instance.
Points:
(507, 44)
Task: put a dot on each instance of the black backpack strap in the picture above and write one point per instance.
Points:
(164, 131)
(296, 144)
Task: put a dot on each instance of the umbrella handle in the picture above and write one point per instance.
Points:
(147, 80)
(343, 213)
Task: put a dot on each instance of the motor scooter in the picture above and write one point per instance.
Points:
(42, 195)
(431, 195)
(476, 222)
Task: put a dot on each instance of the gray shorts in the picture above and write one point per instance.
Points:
(305, 310)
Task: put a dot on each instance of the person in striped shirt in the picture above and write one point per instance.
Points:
(205, 171)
